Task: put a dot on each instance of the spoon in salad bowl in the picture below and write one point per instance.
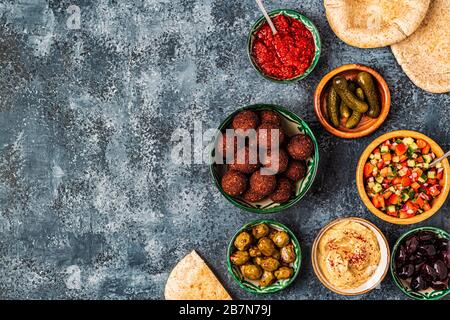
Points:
(436, 161)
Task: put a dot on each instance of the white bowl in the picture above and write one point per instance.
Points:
(376, 277)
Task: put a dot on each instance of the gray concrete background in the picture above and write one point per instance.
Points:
(91, 205)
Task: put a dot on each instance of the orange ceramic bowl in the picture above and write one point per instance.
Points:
(367, 125)
(437, 202)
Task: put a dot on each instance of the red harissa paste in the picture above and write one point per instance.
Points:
(288, 53)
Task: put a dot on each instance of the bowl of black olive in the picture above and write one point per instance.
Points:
(420, 263)
(264, 256)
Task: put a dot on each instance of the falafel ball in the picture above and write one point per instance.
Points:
(242, 162)
(262, 184)
(252, 196)
(296, 170)
(245, 120)
(300, 147)
(269, 116)
(264, 134)
(223, 148)
(276, 164)
(283, 191)
(234, 183)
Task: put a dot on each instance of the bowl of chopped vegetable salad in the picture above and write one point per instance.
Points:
(396, 181)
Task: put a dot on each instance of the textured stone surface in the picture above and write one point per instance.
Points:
(91, 205)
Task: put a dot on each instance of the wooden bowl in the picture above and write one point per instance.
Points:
(367, 125)
(375, 279)
(437, 202)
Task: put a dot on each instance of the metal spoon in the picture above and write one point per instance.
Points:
(436, 161)
(264, 12)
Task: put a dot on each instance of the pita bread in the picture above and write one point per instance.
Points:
(374, 23)
(425, 56)
(192, 279)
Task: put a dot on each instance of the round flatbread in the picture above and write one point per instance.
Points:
(425, 55)
(374, 23)
(192, 279)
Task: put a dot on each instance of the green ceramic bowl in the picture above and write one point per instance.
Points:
(308, 24)
(292, 124)
(428, 294)
(253, 287)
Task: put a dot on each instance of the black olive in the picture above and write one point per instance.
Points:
(432, 259)
(439, 285)
(401, 257)
(426, 236)
(428, 273)
(406, 271)
(411, 244)
(442, 244)
(417, 267)
(441, 270)
(446, 258)
(418, 283)
(427, 249)
(416, 259)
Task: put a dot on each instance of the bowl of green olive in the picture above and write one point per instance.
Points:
(264, 256)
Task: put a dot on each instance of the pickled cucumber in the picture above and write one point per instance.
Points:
(333, 101)
(356, 116)
(341, 87)
(344, 110)
(360, 93)
(365, 81)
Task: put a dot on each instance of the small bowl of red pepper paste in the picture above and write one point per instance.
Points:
(289, 55)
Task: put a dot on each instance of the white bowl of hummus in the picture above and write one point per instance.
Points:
(350, 256)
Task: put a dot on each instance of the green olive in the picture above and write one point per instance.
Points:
(266, 246)
(258, 260)
(267, 278)
(281, 239)
(288, 254)
(284, 273)
(260, 230)
(251, 271)
(254, 252)
(276, 254)
(270, 264)
(239, 258)
(243, 241)
(272, 234)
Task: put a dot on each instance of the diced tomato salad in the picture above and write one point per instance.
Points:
(398, 178)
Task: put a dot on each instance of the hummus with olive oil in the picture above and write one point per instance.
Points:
(348, 255)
